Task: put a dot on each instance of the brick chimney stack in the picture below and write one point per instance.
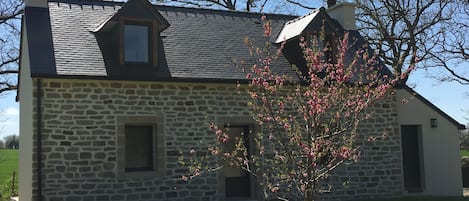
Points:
(343, 12)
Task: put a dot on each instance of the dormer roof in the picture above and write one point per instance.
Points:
(312, 22)
(143, 6)
(295, 27)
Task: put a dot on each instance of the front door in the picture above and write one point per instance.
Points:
(411, 158)
(237, 181)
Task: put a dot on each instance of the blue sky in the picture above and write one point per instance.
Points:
(9, 114)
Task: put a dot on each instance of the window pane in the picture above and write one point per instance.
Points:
(136, 43)
(138, 148)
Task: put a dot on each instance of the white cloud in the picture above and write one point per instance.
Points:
(9, 127)
(11, 111)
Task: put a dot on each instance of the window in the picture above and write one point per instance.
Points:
(330, 53)
(138, 148)
(136, 43)
(141, 150)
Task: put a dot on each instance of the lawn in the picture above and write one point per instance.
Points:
(8, 164)
(464, 152)
(426, 199)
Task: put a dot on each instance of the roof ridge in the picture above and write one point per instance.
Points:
(121, 2)
(313, 12)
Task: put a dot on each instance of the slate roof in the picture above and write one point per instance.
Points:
(198, 44)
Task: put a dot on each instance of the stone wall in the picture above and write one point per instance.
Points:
(378, 172)
(79, 147)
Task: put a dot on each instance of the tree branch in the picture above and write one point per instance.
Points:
(299, 4)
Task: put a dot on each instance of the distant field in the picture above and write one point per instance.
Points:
(8, 164)
(464, 152)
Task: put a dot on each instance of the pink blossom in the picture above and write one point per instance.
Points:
(223, 139)
(281, 104)
(212, 126)
(197, 172)
(275, 189)
(404, 101)
(246, 162)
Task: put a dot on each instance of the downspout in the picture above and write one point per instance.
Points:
(39, 141)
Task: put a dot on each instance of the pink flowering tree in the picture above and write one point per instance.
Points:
(309, 122)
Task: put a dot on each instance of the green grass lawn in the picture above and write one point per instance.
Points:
(464, 152)
(8, 164)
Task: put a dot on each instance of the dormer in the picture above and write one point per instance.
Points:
(133, 32)
(316, 25)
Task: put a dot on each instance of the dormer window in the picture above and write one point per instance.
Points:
(330, 49)
(136, 43)
(137, 27)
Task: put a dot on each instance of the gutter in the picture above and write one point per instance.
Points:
(39, 140)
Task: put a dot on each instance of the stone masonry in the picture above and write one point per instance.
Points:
(79, 160)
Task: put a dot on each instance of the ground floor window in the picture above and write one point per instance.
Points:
(140, 146)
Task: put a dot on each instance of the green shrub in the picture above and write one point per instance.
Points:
(6, 190)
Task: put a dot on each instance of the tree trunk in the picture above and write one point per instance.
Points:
(309, 195)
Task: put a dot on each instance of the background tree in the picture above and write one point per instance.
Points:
(452, 47)
(404, 32)
(273, 6)
(10, 17)
(226, 4)
(11, 142)
(2, 144)
(309, 125)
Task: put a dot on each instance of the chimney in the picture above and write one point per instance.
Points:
(36, 3)
(343, 12)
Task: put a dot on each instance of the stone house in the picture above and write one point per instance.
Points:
(99, 78)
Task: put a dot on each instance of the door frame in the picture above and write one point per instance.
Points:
(419, 133)
(253, 127)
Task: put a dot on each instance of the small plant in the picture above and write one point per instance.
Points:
(9, 188)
